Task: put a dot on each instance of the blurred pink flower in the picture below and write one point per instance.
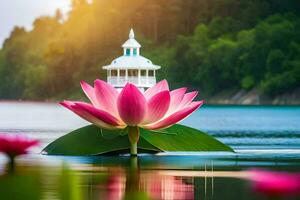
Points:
(156, 108)
(14, 145)
(275, 183)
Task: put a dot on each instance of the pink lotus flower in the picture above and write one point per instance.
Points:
(275, 183)
(14, 145)
(156, 108)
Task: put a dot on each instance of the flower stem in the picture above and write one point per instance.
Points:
(11, 164)
(134, 134)
(133, 149)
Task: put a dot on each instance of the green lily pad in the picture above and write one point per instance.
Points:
(183, 138)
(91, 140)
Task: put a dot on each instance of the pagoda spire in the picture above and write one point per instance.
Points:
(131, 34)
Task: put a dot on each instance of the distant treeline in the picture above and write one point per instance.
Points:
(210, 45)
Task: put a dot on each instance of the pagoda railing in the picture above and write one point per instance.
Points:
(138, 81)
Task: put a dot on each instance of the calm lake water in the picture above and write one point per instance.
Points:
(266, 137)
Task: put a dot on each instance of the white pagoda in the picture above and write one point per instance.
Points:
(131, 67)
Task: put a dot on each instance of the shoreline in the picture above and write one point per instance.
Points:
(254, 97)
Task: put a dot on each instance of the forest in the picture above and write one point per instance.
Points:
(208, 45)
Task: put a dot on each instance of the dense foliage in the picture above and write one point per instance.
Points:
(212, 45)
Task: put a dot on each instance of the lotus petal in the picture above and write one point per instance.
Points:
(132, 105)
(100, 114)
(175, 117)
(158, 105)
(89, 92)
(176, 98)
(85, 115)
(160, 86)
(187, 99)
(106, 96)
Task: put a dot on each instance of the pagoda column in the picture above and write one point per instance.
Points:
(139, 76)
(147, 77)
(131, 51)
(118, 76)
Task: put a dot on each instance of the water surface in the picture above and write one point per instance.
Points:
(266, 137)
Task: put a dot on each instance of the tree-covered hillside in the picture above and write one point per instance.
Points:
(210, 45)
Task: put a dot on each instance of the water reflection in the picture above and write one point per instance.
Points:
(17, 187)
(134, 183)
(132, 180)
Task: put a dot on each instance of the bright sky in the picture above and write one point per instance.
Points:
(23, 12)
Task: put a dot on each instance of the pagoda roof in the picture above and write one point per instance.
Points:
(131, 42)
(131, 62)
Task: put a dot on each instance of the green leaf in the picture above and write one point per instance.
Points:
(185, 139)
(91, 140)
